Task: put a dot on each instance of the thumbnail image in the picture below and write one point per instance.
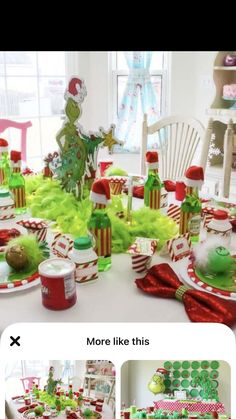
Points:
(63, 389)
(175, 389)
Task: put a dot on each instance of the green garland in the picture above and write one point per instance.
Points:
(47, 200)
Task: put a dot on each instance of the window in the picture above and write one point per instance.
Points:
(32, 86)
(19, 369)
(158, 75)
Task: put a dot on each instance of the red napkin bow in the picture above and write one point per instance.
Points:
(162, 281)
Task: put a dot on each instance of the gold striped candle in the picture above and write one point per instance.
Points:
(189, 190)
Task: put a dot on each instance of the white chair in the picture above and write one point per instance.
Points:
(179, 136)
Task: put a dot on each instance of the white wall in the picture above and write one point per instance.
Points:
(191, 91)
(137, 375)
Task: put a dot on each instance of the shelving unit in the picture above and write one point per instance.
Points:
(222, 122)
(100, 372)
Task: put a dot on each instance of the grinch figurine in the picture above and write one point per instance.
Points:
(78, 150)
(156, 384)
(51, 383)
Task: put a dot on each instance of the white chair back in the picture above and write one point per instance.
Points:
(178, 137)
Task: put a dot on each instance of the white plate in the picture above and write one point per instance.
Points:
(188, 281)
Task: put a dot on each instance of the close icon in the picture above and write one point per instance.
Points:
(15, 341)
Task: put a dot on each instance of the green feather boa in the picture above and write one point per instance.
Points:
(47, 200)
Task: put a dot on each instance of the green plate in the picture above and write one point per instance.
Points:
(221, 281)
(176, 374)
(177, 365)
(195, 365)
(214, 374)
(185, 365)
(201, 393)
(185, 383)
(205, 364)
(167, 383)
(215, 365)
(194, 392)
(194, 373)
(176, 383)
(167, 365)
(204, 373)
(185, 374)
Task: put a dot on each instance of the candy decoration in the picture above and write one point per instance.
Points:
(6, 205)
(179, 247)
(35, 226)
(62, 245)
(116, 184)
(141, 252)
(141, 263)
(174, 212)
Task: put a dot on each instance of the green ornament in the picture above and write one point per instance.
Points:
(220, 260)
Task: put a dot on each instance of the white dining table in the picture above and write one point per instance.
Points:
(13, 406)
(113, 298)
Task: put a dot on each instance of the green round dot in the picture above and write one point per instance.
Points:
(201, 393)
(204, 373)
(177, 365)
(195, 365)
(205, 364)
(176, 383)
(185, 383)
(167, 365)
(215, 383)
(214, 374)
(167, 383)
(192, 383)
(215, 365)
(194, 392)
(194, 374)
(176, 374)
(185, 365)
(185, 374)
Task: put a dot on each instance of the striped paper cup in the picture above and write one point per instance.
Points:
(116, 184)
(141, 263)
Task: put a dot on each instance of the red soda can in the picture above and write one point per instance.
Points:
(58, 283)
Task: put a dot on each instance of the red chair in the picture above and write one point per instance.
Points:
(28, 382)
(23, 126)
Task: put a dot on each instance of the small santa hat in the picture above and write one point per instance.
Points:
(100, 193)
(15, 156)
(3, 145)
(76, 90)
(162, 372)
(152, 159)
(194, 176)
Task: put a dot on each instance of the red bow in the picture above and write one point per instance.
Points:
(200, 306)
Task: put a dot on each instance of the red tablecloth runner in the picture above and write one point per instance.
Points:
(201, 407)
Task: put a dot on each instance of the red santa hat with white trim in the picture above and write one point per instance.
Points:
(152, 159)
(162, 372)
(194, 176)
(76, 90)
(100, 193)
(3, 145)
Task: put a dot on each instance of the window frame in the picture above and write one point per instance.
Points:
(37, 77)
(164, 73)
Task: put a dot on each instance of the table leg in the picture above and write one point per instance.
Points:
(228, 156)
